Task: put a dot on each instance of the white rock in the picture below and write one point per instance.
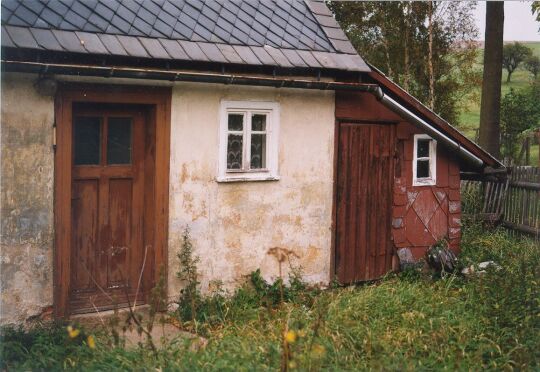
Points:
(479, 268)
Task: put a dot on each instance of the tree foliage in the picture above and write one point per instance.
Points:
(520, 113)
(532, 64)
(513, 55)
(535, 8)
(394, 37)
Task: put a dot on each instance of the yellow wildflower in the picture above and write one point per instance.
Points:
(73, 332)
(290, 337)
(292, 364)
(318, 350)
(91, 342)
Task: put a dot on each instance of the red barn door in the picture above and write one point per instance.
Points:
(365, 173)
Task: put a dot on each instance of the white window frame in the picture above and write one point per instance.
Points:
(248, 108)
(432, 179)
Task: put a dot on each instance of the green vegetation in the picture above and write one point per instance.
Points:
(514, 54)
(469, 118)
(406, 321)
(520, 113)
(396, 36)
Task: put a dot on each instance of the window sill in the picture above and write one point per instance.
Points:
(246, 177)
(429, 182)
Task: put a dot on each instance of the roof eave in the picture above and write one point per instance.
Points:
(431, 117)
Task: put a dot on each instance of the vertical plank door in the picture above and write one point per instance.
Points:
(365, 174)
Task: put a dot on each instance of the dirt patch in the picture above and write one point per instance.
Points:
(164, 330)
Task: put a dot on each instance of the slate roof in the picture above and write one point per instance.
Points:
(254, 32)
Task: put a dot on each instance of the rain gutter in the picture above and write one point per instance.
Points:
(207, 77)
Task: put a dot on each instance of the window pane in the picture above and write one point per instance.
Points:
(258, 122)
(87, 140)
(422, 148)
(119, 141)
(422, 169)
(258, 151)
(236, 122)
(234, 151)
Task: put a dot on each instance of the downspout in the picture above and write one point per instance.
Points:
(424, 126)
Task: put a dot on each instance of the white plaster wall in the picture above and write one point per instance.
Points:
(26, 203)
(234, 224)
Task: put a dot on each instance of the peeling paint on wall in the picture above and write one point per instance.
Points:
(27, 174)
(234, 224)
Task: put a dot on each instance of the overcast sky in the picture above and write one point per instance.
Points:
(519, 23)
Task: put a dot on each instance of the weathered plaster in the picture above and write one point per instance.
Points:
(27, 174)
(234, 224)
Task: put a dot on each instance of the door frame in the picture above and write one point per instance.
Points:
(337, 124)
(158, 99)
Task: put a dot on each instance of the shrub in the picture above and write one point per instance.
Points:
(519, 112)
(190, 296)
(42, 347)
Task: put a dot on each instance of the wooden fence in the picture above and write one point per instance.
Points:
(513, 202)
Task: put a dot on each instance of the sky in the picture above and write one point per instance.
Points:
(519, 23)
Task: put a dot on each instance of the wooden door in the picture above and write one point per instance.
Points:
(365, 173)
(107, 201)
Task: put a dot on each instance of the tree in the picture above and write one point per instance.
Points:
(520, 112)
(513, 55)
(395, 37)
(535, 8)
(491, 84)
(532, 64)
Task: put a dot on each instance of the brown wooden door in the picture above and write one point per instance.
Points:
(107, 246)
(364, 201)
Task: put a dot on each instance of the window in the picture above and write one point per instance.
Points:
(425, 160)
(248, 141)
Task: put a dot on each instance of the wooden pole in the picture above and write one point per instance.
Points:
(538, 135)
(527, 150)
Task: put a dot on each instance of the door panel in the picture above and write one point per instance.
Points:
(120, 214)
(107, 208)
(364, 201)
(84, 232)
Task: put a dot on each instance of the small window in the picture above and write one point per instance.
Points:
(119, 140)
(425, 160)
(87, 140)
(248, 143)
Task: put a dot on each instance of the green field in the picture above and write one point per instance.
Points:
(521, 78)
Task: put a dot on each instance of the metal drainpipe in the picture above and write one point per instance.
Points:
(204, 77)
(419, 122)
(140, 73)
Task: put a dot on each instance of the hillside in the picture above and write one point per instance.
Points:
(470, 118)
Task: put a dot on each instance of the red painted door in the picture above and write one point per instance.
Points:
(107, 208)
(364, 201)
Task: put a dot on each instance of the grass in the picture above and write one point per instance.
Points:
(470, 116)
(408, 321)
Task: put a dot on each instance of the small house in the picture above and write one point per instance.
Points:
(254, 123)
